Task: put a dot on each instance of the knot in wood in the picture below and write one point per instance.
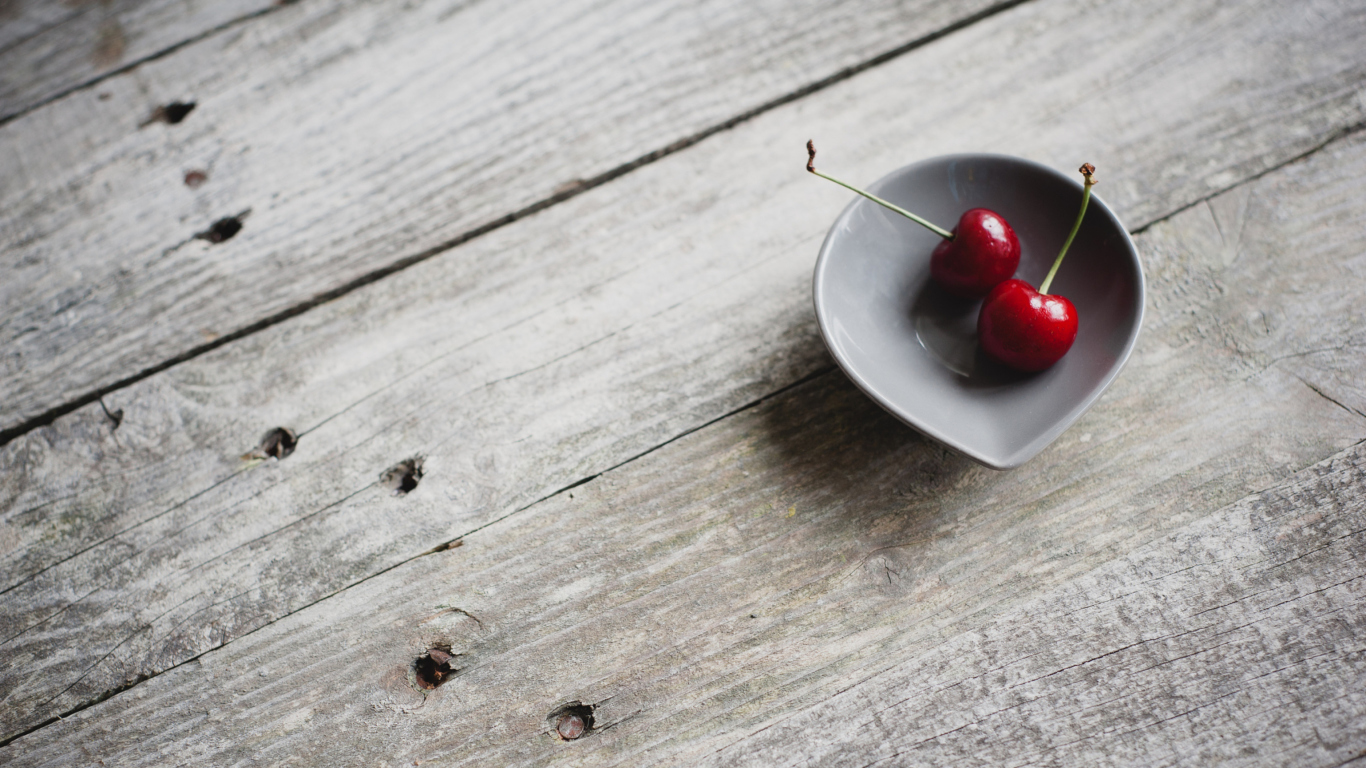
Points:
(434, 667)
(403, 476)
(276, 443)
(221, 230)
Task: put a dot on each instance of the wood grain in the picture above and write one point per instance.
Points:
(526, 361)
(809, 581)
(1235, 641)
(359, 136)
(48, 49)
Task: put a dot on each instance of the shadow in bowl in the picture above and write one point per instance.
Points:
(946, 327)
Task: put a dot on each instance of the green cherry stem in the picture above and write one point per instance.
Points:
(811, 166)
(1087, 171)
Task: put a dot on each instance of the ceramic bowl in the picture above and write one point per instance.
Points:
(913, 348)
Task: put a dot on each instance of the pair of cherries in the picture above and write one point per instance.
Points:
(1023, 328)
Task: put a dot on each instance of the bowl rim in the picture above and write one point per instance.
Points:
(1046, 438)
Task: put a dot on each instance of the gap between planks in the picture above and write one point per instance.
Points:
(91, 82)
(1339, 136)
(441, 547)
(1336, 136)
(50, 415)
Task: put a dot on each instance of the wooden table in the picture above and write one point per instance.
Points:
(546, 266)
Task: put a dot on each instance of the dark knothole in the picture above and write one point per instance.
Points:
(572, 721)
(275, 444)
(434, 667)
(279, 442)
(176, 111)
(221, 230)
(403, 476)
(169, 113)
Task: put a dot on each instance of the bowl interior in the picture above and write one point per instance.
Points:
(913, 348)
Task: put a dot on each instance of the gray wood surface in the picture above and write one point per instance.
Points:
(1234, 641)
(48, 49)
(483, 110)
(824, 587)
(171, 534)
(670, 506)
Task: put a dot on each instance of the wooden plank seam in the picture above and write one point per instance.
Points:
(50, 415)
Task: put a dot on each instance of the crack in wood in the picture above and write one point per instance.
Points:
(590, 476)
(1335, 136)
(114, 416)
(117, 534)
(1330, 398)
(444, 547)
(1315, 592)
(48, 618)
(1318, 478)
(48, 416)
(40, 31)
(134, 64)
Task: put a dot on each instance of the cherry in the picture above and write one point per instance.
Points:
(977, 255)
(983, 252)
(1025, 329)
(1031, 330)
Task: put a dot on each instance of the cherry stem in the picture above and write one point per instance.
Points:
(811, 166)
(1087, 171)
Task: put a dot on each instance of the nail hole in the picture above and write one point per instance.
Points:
(176, 111)
(275, 444)
(403, 476)
(221, 230)
(434, 667)
(573, 720)
(195, 179)
(169, 113)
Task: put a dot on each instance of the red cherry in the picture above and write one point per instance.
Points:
(983, 252)
(1025, 329)
(1028, 329)
(979, 253)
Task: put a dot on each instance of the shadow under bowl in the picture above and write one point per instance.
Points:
(913, 348)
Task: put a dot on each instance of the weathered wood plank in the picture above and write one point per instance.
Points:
(359, 136)
(1235, 641)
(49, 48)
(167, 552)
(808, 579)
